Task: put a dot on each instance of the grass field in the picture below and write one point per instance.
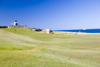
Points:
(26, 48)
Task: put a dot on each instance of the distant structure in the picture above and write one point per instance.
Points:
(48, 31)
(17, 26)
(84, 28)
(3, 26)
(36, 29)
(15, 23)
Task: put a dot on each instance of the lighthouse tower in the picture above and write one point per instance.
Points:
(15, 23)
(17, 26)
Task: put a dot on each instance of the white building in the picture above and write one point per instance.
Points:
(48, 31)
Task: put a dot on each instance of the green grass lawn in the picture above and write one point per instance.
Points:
(27, 48)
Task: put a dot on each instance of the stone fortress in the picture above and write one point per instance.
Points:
(14, 26)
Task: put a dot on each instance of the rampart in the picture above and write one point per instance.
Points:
(17, 26)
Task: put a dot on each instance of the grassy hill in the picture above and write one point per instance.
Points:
(27, 48)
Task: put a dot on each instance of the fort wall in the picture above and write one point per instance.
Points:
(17, 26)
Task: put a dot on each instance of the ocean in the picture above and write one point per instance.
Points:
(81, 30)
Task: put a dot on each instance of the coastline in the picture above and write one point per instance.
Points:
(81, 31)
(75, 32)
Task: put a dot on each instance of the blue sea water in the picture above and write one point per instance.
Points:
(81, 30)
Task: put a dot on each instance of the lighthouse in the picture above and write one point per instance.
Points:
(17, 26)
(15, 23)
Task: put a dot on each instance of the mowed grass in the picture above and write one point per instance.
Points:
(27, 48)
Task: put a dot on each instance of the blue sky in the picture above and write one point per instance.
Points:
(52, 14)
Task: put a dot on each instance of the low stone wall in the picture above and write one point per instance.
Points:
(17, 26)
